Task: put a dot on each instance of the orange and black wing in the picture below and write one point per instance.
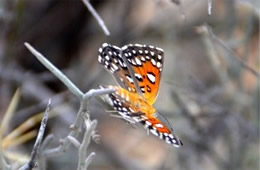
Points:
(122, 102)
(147, 64)
(145, 61)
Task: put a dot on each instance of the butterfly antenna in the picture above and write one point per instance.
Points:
(164, 120)
(130, 121)
(167, 123)
(111, 111)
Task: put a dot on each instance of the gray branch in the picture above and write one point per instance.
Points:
(96, 16)
(83, 159)
(71, 86)
(209, 6)
(32, 163)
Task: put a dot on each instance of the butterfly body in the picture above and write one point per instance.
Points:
(137, 69)
(135, 101)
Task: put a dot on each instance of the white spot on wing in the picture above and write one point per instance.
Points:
(159, 125)
(114, 66)
(153, 62)
(159, 64)
(129, 79)
(151, 77)
(148, 123)
(138, 76)
(107, 57)
(116, 47)
(105, 44)
(99, 58)
(159, 49)
(154, 132)
(115, 60)
(138, 61)
(138, 45)
(133, 62)
(166, 134)
(174, 141)
(124, 47)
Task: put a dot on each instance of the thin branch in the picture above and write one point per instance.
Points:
(208, 32)
(90, 127)
(46, 141)
(209, 6)
(73, 88)
(74, 141)
(89, 159)
(241, 62)
(37, 145)
(97, 92)
(212, 55)
(63, 147)
(96, 16)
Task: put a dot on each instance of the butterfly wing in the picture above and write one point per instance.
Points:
(124, 103)
(110, 57)
(147, 64)
(145, 61)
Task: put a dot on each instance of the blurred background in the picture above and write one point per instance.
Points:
(209, 89)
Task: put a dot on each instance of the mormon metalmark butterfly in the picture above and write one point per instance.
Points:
(133, 100)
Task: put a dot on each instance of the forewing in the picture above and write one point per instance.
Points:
(147, 64)
(110, 57)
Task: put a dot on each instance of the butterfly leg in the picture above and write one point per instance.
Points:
(128, 120)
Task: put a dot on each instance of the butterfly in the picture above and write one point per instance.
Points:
(137, 69)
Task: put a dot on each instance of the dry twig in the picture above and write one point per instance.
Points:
(36, 148)
(96, 16)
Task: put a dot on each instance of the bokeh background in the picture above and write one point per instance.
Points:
(209, 89)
